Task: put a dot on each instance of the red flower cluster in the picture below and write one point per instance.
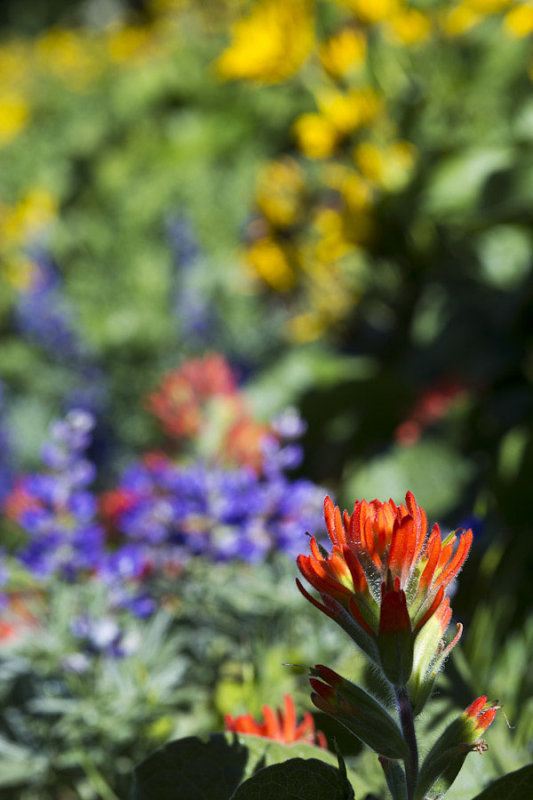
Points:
(180, 400)
(204, 390)
(434, 404)
(282, 726)
(385, 574)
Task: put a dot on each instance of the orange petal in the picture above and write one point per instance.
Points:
(289, 720)
(433, 549)
(458, 560)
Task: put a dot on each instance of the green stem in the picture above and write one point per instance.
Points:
(405, 711)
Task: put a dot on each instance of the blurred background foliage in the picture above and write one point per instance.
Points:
(337, 196)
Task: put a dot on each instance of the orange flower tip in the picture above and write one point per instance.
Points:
(485, 719)
(474, 708)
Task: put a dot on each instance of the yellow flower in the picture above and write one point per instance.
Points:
(14, 115)
(371, 11)
(305, 327)
(279, 190)
(315, 135)
(30, 216)
(271, 44)
(459, 20)
(270, 262)
(128, 43)
(409, 27)
(72, 56)
(519, 21)
(356, 193)
(19, 272)
(344, 52)
(332, 243)
(347, 112)
(388, 167)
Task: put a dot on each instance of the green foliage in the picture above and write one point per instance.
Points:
(297, 779)
(191, 768)
(514, 786)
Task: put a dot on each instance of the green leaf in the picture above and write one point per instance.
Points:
(516, 785)
(297, 779)
(193, 769)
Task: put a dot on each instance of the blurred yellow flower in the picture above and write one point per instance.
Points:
(19, 271)
(30, 216)
(488, 6)
(387, 166)
(332, 243)
(128, 43)
(278, 192)
(347, 112)
(409, 27)
(343, 52)
(271, 44)
(269, 261)
(459, 19)
(373, 10)
(305, 327)
(356, 193)
(316, 136)
(70, 55)
(518, 22)
(14, 115)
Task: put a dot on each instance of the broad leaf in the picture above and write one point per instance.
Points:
(191, 769)
(296, 779)
(516, 785)
(194, 768)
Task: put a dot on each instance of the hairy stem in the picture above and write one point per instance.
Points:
(407, 721)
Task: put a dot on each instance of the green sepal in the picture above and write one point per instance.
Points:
(360, 712)
(395, 777)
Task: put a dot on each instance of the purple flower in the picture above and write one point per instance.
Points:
(59, 511)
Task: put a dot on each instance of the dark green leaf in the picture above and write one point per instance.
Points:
(516, 785)
(194, 769)
(297, 779)
(191, 769)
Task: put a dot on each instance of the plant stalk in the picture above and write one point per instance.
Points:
(407, 721)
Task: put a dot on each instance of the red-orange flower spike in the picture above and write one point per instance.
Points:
(383, 543)
(281, 726)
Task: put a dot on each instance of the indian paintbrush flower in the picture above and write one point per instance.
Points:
(461, 737)
(282, 726)
(385, 580)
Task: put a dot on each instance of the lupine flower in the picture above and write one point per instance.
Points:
(56, 508)
(385, 578)
(282, 726)
(42, 314)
